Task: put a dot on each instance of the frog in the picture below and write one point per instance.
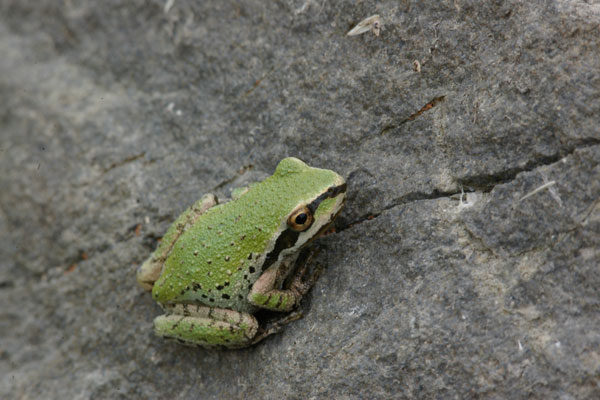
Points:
(219, 264)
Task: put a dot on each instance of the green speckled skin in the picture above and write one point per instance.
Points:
(212, 256)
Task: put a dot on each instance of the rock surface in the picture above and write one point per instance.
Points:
(115, 116)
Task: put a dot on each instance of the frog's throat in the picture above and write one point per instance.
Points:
(291, 239)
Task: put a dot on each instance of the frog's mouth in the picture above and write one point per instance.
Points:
(326, 227)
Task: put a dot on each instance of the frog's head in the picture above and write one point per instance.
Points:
(316, 196)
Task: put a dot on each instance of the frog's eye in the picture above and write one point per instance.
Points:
(300, 219)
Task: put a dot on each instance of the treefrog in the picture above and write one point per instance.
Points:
(218, 264)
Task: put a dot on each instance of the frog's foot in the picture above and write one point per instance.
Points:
(150, 270)
(275, 326)
(207, 327)
(264, 295)
(301, 283)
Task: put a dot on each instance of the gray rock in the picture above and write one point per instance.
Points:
(465, 264)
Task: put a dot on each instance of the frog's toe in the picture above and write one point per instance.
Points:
(148, 273)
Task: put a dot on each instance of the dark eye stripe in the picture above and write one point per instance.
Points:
(286, 240)
(333, 191)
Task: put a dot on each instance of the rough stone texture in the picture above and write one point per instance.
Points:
(116, 115)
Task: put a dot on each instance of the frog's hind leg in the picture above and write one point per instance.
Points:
(207, 327)
(150, 270)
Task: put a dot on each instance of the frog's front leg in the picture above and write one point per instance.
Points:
(265, 294)
(208, 327)
(150, 270)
